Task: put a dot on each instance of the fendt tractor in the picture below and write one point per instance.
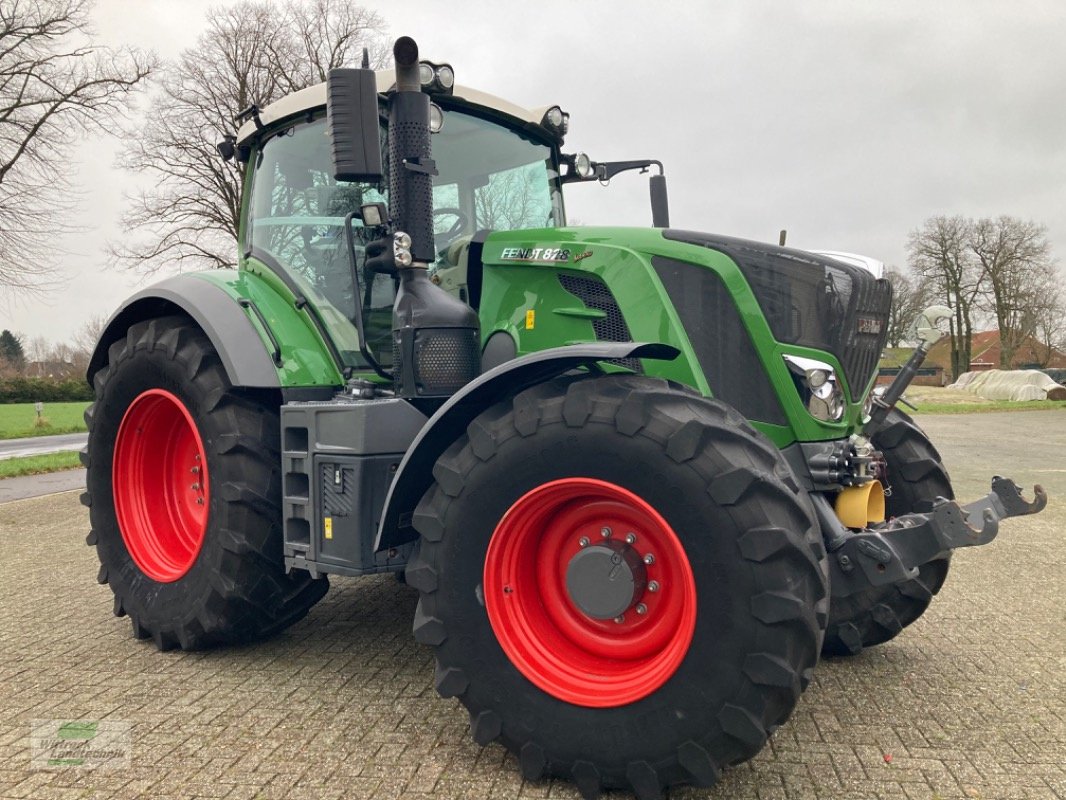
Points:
(639, 477)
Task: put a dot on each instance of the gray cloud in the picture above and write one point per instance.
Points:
(847, 123)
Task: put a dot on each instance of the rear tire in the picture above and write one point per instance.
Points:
(916, 478)
(184, 498)
(660, 462)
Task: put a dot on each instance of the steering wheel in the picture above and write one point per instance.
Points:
(457, 228)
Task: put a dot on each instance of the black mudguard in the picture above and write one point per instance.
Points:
(414, 475)
(238, 343)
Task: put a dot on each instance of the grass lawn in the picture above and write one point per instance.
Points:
(18, 419)
(35, 465)
(938, 400)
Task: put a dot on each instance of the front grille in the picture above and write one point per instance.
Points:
(612, 328)
(860, 351)
(813, 301)
(722, 345)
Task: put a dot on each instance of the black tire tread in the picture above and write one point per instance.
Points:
(251, 595)
(916, 477)
(702, 434)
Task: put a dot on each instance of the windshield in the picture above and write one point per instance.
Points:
(490, 178)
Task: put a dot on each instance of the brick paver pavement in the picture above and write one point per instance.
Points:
(968, 703)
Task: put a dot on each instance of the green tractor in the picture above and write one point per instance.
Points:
(638, 477)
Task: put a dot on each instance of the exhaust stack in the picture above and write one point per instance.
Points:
(436, 341)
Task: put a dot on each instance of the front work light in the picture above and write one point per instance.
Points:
(817, 384)
(436, 78)
(583, 165)
(436, 118)
(557, 121)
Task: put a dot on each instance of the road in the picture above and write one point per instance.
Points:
(41, 445)
(967, 704)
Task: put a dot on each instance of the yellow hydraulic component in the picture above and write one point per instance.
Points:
(859, 506)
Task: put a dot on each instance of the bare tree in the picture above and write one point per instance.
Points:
(1048, 315)
(84, 341)
(938, 253)
(909, 297)
(1015, 258)
(89, 333)
(36, 356)
(53, 88)
(253, 52)
(510, 200)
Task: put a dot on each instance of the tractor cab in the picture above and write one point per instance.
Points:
(498, 167)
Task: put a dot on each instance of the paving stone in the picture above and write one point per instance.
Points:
(967, 704)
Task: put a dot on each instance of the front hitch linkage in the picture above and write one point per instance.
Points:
(892, 552)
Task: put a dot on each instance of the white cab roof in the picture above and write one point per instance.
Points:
(315, 97)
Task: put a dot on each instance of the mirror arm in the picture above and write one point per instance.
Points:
(606, 170)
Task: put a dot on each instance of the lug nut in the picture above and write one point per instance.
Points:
(195, 487)
(653, 586)
(641, 609)
(605, 532)
(195, 470)
(199, 501)
(649, 559)
(620, 619)
(631, 538)
(583, 541)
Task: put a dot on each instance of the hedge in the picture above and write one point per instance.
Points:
(45, 390)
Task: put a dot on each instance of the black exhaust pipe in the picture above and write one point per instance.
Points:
(436, 340)
(411, 165)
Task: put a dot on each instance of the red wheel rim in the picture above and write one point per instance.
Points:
(160, 481)
(564, 651)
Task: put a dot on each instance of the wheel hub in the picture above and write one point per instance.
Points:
(589, 592)
(605, 579)
(160, 485)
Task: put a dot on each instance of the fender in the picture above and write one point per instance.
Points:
(262, 336)
(239, 344)
(415, 473)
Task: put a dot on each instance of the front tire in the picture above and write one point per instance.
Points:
(916, 477)
(183, 490)
(531, 645)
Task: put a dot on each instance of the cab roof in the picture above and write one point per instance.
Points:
(314, 97)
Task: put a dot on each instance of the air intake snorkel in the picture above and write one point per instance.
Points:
(436, 342)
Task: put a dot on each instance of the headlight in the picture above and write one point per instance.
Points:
(817, 377)
(819, 388)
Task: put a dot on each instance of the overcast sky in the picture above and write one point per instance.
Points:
(847, 123)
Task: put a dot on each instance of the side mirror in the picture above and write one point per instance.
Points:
(354, 129)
